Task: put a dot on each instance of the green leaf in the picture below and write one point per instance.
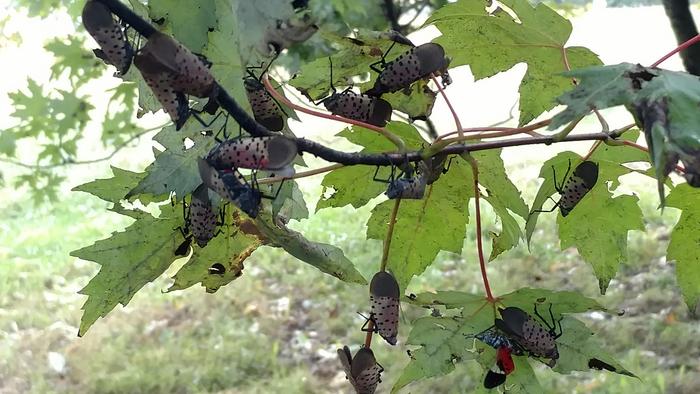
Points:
(493, 176)
(503, 196)
(563, 301)
(230, 249)
(290, 202)
(667, 108)
(599, 87)
(115, 189)
(425, 227)
(578, 345)
(72, 59)
(188, 21)
(685, 239)
(510, 230)
(598, 228)
(130, 259)
(449, 299)
(443, 341)
(175, 170)
(492, 43)
(327, 258)
(354, 185)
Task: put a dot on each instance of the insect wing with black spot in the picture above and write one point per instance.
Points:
(384, 305)
(266, 153)
(363, 371)
(578, 185)
(114, 47)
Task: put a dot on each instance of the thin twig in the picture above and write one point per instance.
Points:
(678, 49)
(389, 234)
(479, 243)
(458, 124)
(304, 174)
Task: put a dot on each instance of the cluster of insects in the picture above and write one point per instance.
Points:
(174, 73)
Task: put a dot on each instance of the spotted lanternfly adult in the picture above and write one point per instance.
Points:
(174, 103)
(531, 336)
(573, 190)
(363, 371)
(190, 74)
(265, 153)
(415, 64)
(201, 218)
(357, 106)
(232, 186)
(266, 110)
(114, 47)
(503, 367)
(412, 187)
(173, 72)
(384, 305)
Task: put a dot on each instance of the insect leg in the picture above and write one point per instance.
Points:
(449, 163)
(381, 62)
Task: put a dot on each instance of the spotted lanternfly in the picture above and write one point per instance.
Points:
(503, 367)
(114, 47)
(173, 72)
(412, 187)
(363, 371)
(384, 305)
(573, 190)
(201, 218)
(232, 186)
(415, 64)
(266, 153)
(357, 106)
(531, 336)
(266, 110)
(190, 74)
(174, 103)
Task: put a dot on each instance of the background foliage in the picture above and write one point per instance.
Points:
(271, 295)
